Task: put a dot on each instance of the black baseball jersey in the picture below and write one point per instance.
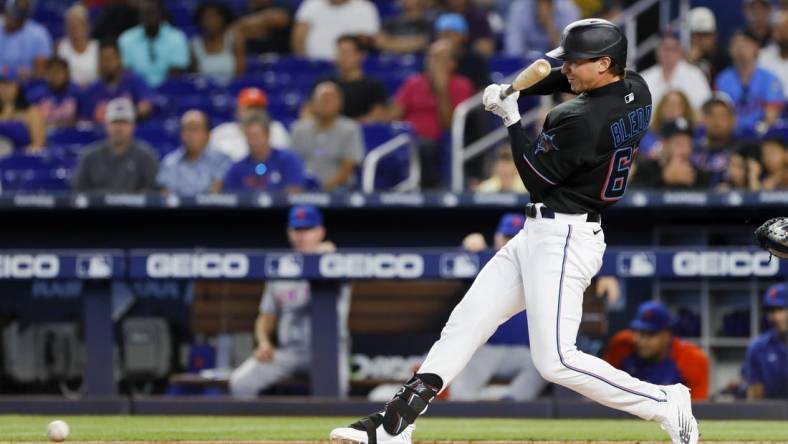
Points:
(580, 162)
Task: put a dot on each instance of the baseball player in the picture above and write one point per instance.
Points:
(577, 167)
(284, 309)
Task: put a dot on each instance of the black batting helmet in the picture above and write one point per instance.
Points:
(592, 38)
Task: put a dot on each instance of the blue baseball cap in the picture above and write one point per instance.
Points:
(451, 22)
(510, 224)
(304, 216)
(776, 297)
(652, 316)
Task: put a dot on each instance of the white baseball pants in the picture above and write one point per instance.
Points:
(547, 268)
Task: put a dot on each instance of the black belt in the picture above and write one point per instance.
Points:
(548, 213)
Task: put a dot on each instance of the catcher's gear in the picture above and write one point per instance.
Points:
(773, 236)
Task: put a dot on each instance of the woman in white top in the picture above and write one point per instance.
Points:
(216, 53)
(77, 48)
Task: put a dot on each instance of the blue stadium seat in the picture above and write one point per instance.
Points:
(186, 85)
(74, 135)
(162, 136)
(377, 63)
(779, 130)
(394, 167)
(15, 132)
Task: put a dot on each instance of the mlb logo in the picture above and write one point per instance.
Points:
(94, 266)
(459, 265)
(636, 264)
(284, 265)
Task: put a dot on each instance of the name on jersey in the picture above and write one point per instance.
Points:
(635, 123)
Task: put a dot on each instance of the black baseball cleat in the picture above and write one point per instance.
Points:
(369, 430)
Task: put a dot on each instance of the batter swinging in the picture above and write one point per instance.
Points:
(578, 166)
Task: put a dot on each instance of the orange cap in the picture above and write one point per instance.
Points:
(252, 97)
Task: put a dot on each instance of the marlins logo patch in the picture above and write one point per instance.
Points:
(545, 143)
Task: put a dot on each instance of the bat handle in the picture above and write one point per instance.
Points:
(507, 92)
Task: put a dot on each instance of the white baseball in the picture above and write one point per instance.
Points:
(57, 431)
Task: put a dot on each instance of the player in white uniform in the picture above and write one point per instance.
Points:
(578, 166)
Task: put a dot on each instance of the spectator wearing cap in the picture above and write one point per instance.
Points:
(120, 163)
(755, 91)
(21, 124)
(216, 52)
(364, 98)
(229, 138)
(470, 63)
(506, 354)
(774, 57)
(673, 169)
(673, 105)
(330, 144)
(77, 48)
(649, 351)
(533, 27)
(285, 313)
(265, 168)
(319, 23)
(504, 178)
(427, 101)
(58, 99)
(265, 27)
(154, 49)
(24, 44)
(193, 168)
(673, 72)
(758, 18)
(774, 159)
(408, 33)
(114, 82)
(765, 367)
(480, 35)
(719, 142)
(705, 52)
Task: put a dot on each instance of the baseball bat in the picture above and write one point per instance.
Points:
(535, 72)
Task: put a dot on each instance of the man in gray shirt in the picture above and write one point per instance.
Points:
(119, 163)
(284, 308)
(330, 144)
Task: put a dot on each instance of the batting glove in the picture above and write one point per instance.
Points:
(506, 109)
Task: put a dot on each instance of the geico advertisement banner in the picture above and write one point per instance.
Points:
(40, 265)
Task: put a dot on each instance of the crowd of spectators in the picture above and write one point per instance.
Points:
(719, 106)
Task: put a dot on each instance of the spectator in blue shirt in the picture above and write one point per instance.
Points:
(193, 168)
(266, 168)
(533, 27)
(115, 82)
(57, 99)
(765, 367)
(24, 44)
(154, 49)
(756, 92)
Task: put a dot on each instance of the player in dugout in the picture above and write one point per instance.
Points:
(766, 367)
(649, 351)
(284, 309)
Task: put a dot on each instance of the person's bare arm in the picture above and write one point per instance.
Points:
(260, 24)
(239, 50)
(401, 44)
(298, 38)
(144, 109)
(216, 186)
(263, 329)
(375, 115)
(485, 46)
(37, 128)
(772, 112)
(756, 391)
(396, 111)
(346, 170)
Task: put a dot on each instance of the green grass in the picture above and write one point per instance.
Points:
(220, 428)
